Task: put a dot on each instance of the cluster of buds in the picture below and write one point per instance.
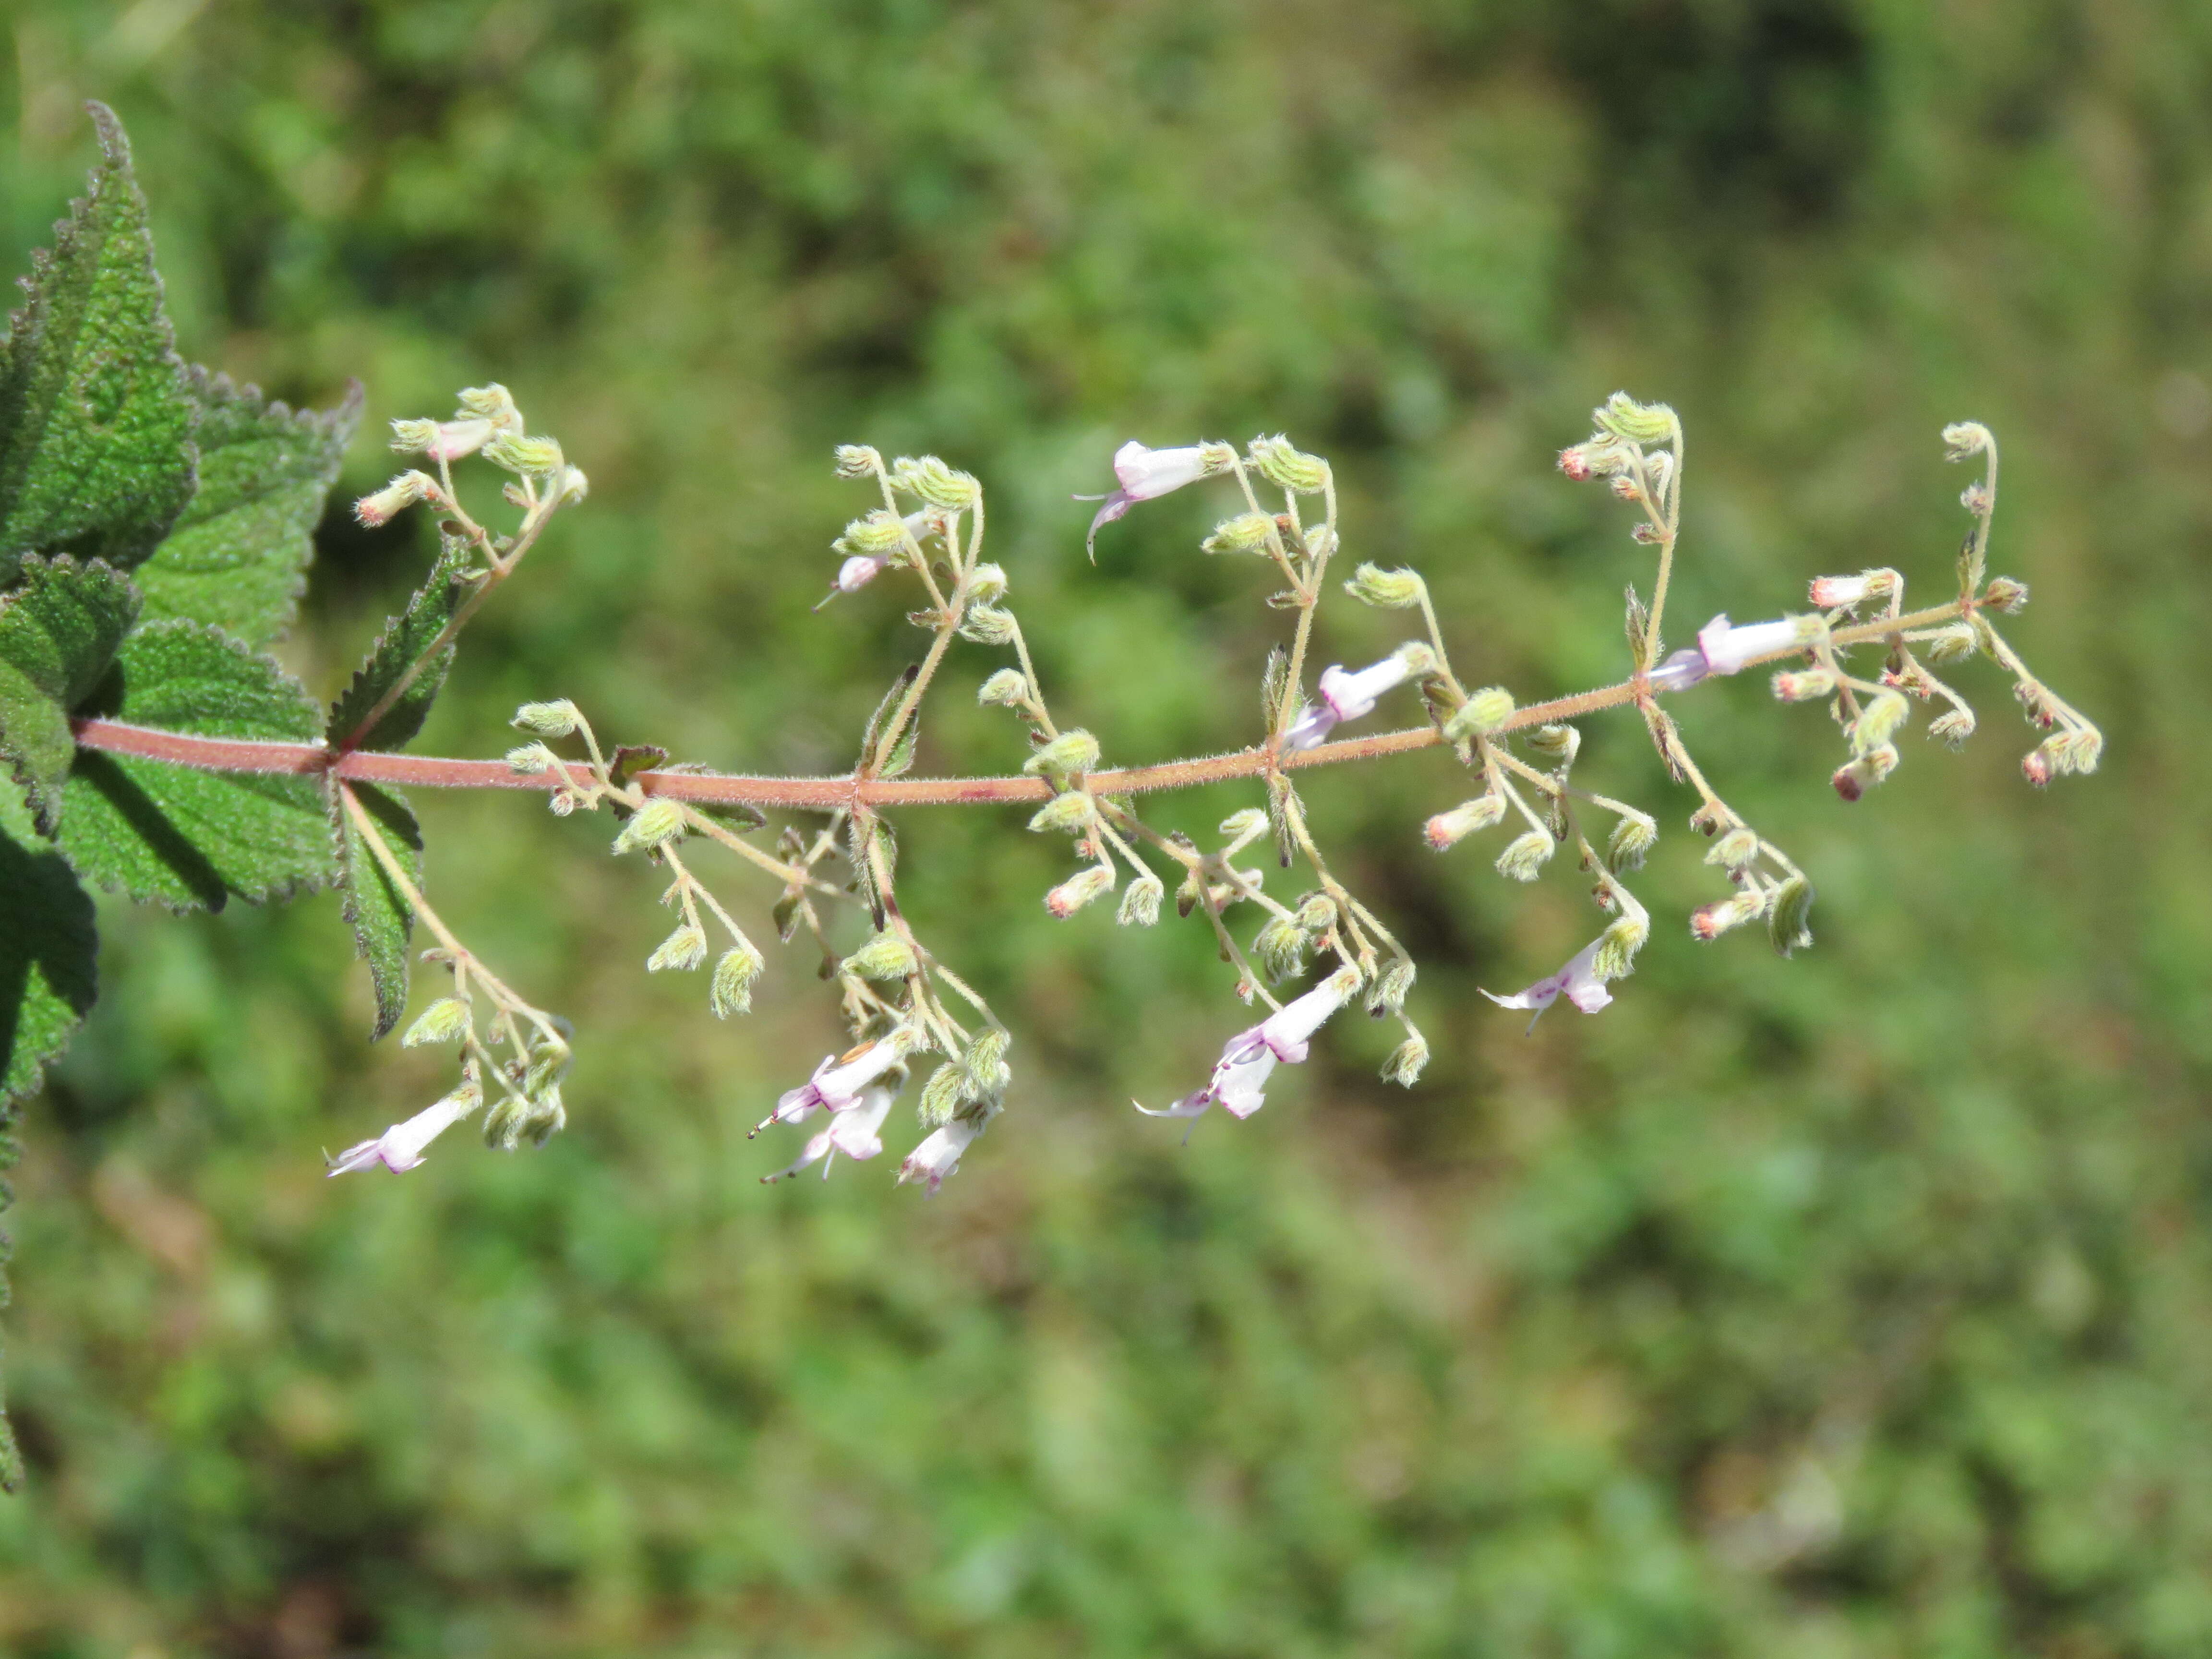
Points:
(488, 423)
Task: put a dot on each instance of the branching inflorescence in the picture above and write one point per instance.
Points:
(907, 1010)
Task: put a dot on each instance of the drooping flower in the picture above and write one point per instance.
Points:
(1723, 649)
(938, 1155)
(1346, 697)
(401, 1147)
(1240, 1076)
(1577, 982)
(1145, 474)
(838, 1083)
(855, 1130)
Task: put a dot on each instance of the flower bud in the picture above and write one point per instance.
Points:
(987, 626)
(1071, 811)
(404, 491)
(884, 957)
(1241, 826)
(1009, 688)
(858, 461)
(1387, 590)
(1485, 712)
(1953, 728)
(1878, 722)
(1245, 533)
(1280, 947)
(1526, 855)
(1964, 438)
(1788, 921)
(1638, 423)
(1078, 890)
(1558, 742)
(936, 482)
(1632, 838)
(1320, 541)
(1286, 467)
(1615, 957)
(1840, 593)
(492, 403)
(445, 441)
(1393, 986)
(529, 759)
(986, 584)
(1625, 488)
(1709, 921)
(446, 1020)
(874, 533)
(548, 720)
(1140, 901)
(531, 458)
(1953, 643)
(659, 820)
(2007, 594)
(1734, 850)
(1804, 685)
(680, 952)
(1407, 1063)
(1448, 830)
(1853, 780)
(732, 990)
(1068, 755)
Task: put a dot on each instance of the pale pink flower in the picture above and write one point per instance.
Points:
(1345, 696)
(857, 572)
(401, 1147)
(1577, 982)
(1723, 649)
(1146, 474)
(1240, 1076)
(837, 1084)
(938, 1155)
(854, 1131)
(452, 440)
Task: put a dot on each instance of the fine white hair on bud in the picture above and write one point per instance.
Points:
(939, 485)
(1245, 533)
(1140, 901)
(529, 759)
(1448, 830)
(530, 457)
(1069, 755)
(1286, 467)
(874, 534)
(404, 491)
(730, 991)
(858, 461)
(1637, 423)
(1734, 850)
(1804, 685)
(1008, 687)
(1878, 721)
(1386, 590)
(446, 1020)
(1709, 921)
(1481, 714)
(1078, 890)
(548, 720)
(1407, 1061)
(1243, 824)
(2006, 594)
(886, 956)
(659, 820)
(1635, 835)
(1953, 727)
(1558, 742)
(1788, 917)
(680, 952)
(1842, 592)
(986, 584)
(1963, 440)
(1526, 855)
(1069, 810)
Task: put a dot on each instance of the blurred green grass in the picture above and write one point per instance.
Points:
(1852, 1306)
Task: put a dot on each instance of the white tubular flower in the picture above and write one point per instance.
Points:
(1723, 649)
(401, 1147)
(454, 439)
(857, 572)
(1578, 980)
(938, 1155)
(856, 1132)
(1145, 474)
(1240, 1076)
(1347, 697)
(838, 1083)
(1839, 593)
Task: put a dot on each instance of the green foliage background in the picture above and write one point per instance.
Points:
(1857, 1305)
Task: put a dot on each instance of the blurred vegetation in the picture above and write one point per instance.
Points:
(1857, 1305)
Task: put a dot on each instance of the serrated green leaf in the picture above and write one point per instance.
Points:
(58, 633)
(382, 920)
(237, 556)
(404, 643)
(96, 454)
(47, 947)
(188, 838)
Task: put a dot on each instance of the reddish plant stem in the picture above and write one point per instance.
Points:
(369, 766)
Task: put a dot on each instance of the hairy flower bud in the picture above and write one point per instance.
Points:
(1245, 533)
(1953, 727)
(1841, 593)
(987, 625)
(530, 759)
(1393, 986)
(1633, 837)
(1734, 850)
(732, 989)
(986, 584)
(1804, 685)
(548, 720)
(441, 440)
(1616, 946)
(1280, 947)
(658, 821)
(936, 482)
(1069, 755)
(1078, 890)
(1525, 855)
(1286, 467)
(1853, 780)
(1878, 722)
(1558, 742)
(531, 458)
(984, 1065)
(1009, 688)
(1387, 590)
(1788, 920)
(1140, 901)
(1950, 644)
(1407, 1061)
(404, 491)
(884, 957)
(1243, 824)
(1709, 921)
(1448, 830)
(1965, 438)
(1067, 812)
(492, 403)
(1638, 423)
(446, 1020)
(874, 534)
(858, 461)
(2007, 594)
(680, 952)
(1485, 712)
